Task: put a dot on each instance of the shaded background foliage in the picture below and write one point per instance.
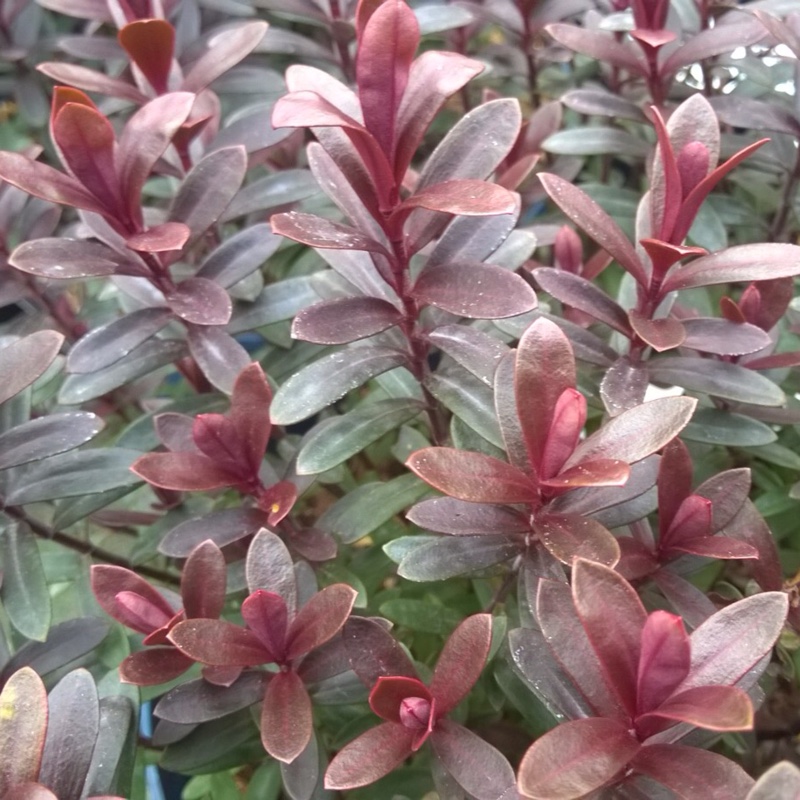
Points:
(400, 395)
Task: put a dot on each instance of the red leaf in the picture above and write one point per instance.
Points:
(472, 476)
(92, 81)
(386, 48)
(613, 617)
(201, 302)
(108, 581)
(373, 652)
(691, 521)
(600, 45)
(458, 517)
(571, 536)
(344, 320)
(162, 238)
(318, 232)
(267, 616)
(139, 614)
(389, 692)
(320, 619)
(249, 412)
(716, 708)
(183, 472)
(691, 772)
(463, 196)
(153, 666)
(661, 334)
(369, 757)
(216, 437)
(599, 472)
(674, 481)
(150, 43)
(278, 501)
(545, 369)
(575, 758)
(286, 725)
(664, 660)
(474, 290)
(716, 547)
(667, 201)
(219, 643)
(461, 661)
(87, 143)
(203, 581)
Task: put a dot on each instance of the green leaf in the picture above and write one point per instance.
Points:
(421, 615)
(24, 589)
(334, 441)
(369, 506)
(715, 426)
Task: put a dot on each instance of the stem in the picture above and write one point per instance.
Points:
(530, 61)
(87, 548)
(345, 61)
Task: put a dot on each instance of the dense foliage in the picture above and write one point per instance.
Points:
(399, 400)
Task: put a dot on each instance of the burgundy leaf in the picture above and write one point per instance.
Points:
(153, 666)
(249, 412)
(219, 643)
(266, 614)
(164, 238)
(139, 614)
(716, 547)
(461, 661)
(600, 45)
(183, 472)
(109, 580)
(474, 764)
(47, 183)
(692, 520)
(599, 472)
(613, 617)
(717, 708)
(433, 77)
(588, 216)
(150, 43)
(691, 772)
(386, 48)
(226, 49)
(23, 725)
(90, 80)
(739, 264)
(545, 369)
(369, 757)
(278, 500)
(674, 481)
(319, 232)
(26, 359)
(723, 337)
(575, 758)
(463, 196)
(201, 302)
(387, 696)
(471, 476)
(661, 334)
(571, 536)
(474, 290)
(344, 320)
(203, 581)
(320, 619)
(286, 724)
(373, 652)
(458, 517)
(687, 600)
(62, 258)
(664, 660)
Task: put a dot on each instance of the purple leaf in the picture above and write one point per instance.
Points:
(661, 334)
(600, 45)
(344, 320)
(461, 661)
(320, 619)
(575, 758)
(613, 617)
(387, 696)
(474, 290)
(165, 238)
(90, 80)
(201, 302)
(433, 77)
(459, 517)
(47, 183)
(664, 660)
(723, 337)
(462, 196)
(203, 581)
(197, 701)
(476, 351)
(183, 472)
(577, 292)
(745, 262)
(600, 472)
(571, 536)
(23, 724)
(687, 600)
(153, 666)
(108, 581)
(373, 652)
(240, 255)
(146, 136)
(714, 547)
(469, 476)
(319, 232)
(716, 708)
(226, 49)
(222, 527)
(63, 258)
(270, 567)
(286, 724)
(689, 771)
(674, 482)
(369, 757)
(219, 643)
(386, 48)
(476, 766)
(638, 432)
(727, 646)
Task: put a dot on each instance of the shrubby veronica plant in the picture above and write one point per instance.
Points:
(399, 399)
